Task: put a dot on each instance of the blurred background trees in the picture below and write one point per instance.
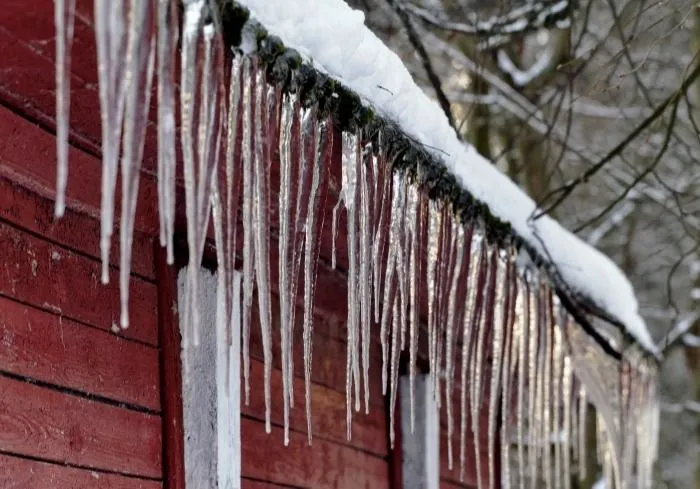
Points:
(593, 107)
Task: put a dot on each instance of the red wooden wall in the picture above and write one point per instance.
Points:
(83, 404)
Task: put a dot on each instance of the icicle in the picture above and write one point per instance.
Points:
(533, 385)
(471, 315)
(457, 246)
(509, 360)
(382, 176)
(497, 326)
(365, 274)
(261, 237)
(559, 434)
(111, 39)
(286, 301)
(582, 434)
(395, 354)
(167, 44)
(567, 392)
(546, 382)
(390, 282)
(434, 227)
(247, 219)
(414, 220)
(523, 333)
(478, 358)
(64, 18)
(317, 197)
(139, 74)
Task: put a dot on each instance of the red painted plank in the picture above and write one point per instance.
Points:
(74, 230)
(52, 278)
(171, 374)
(44, 347)
(44, 423)
(28, 155)
(322, 465)
(327, 413)
(21, 473)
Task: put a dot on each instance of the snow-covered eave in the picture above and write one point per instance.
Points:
(322, 50)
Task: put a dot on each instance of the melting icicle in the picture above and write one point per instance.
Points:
(286, 302)
(557, 357)
(471, 314)
(261, 237)
(434, 227)
(497, 326)
(111, 39)
(582, 434)
(247, 219)
(64, 18)
(167, 45)
(458, 250)
(523, 334)
(567, 392)
(395, 353)
(365, 274)
(546, 388)
(413, 219)
(348, 197)
(533, 385)
(317, 197)
(139, 74)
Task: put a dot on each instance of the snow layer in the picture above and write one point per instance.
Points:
(334, 36)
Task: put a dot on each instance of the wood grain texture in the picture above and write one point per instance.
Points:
(21, 473)
(76, 231)
(322, 465)
(43, 423)
(45, 347)
(327, 411)
(60, 281)
(171, 374)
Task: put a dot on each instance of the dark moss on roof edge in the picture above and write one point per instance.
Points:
(286, 69)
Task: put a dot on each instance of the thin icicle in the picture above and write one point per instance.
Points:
(478, 358)
(311, 244)
(192, 25)
(413, 219)
(168, 32)
(64, 18)
(284, 261)
(139, 75)
(471, 314)
(557, 358)
(111, 40)
(523, 334)
(567, 393)
(395, 354)
(532, 383)
(365, 272)
(434, 227)
(582, 434)
(261, 237)
(247, 219)
(497, 335)
(546, 383)
(458, 249)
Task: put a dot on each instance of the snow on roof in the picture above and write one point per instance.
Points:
(333, 36)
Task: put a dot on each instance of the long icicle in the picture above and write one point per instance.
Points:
(64, 21)
(111, 39)
(317, 199)
(247, 219)
(261, 237)
(471, 315)
(167, 34)
(284, 202)
(497, 334)
(365, 270)
(139, 75)
(458, 251)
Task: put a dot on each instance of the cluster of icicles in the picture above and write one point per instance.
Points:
(497, 338)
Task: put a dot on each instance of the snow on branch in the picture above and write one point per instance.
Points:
(498, 29)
